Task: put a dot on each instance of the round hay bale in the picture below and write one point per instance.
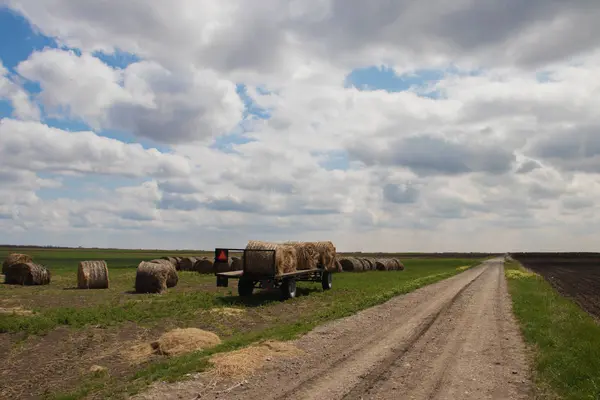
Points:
(204, 266)
(338, 266)
(351, 264)
(172, 260)
(400, 265)
(92, 275)
(261, 262)
(307, 255)
(381, 265)
(155, 277)
(27, 274)
(237, 264)
(187, 340)
(172, 278)
(15, 258)
(187, 263)
(327, 253)
(369, 263)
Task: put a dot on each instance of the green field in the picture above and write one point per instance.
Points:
(70, 330)
(564, 339)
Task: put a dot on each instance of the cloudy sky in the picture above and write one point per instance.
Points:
(387, 125)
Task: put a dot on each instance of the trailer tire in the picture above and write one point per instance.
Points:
(288, 289)
(245, 287)
(326, 280)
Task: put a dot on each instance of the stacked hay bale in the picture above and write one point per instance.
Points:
(307, 255)
(155, 276)
(237, 264)
(261, 262)
(187, 263)
(92, 275)
(15, 258)
(204, 266)
(26, 274)
(327, 254)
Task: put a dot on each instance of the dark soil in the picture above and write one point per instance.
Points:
(575, 275)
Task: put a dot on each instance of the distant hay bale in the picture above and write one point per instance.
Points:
(351, 264)
(15, 258)
(26, 274)
(172, 278)
(338, 266)
(187, 263)
(180, 341)
(172, 260)
(327, 253)
(381, 264)
(237, 264)
(369, 263)
(203, 266)
(400, 265)
(155, 277)
(261, 262)
(177, 263)
(307, 255)
(92, 275)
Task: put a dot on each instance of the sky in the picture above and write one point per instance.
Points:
(380, 125)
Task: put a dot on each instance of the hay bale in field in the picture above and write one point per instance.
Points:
(369, 263)
(155, 277)
(400, 265)
(237, 264)
(15, 258)
(338, 266)
(307, 255)
(187, 340)
(92, 275)
(351, 264)
(172, 278)
(381, 264)
(172, 260)
(261, 262)
(203, 266)
(26, 274)
(187, 263)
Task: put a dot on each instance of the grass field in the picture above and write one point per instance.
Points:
(70, 330)
(565, 339)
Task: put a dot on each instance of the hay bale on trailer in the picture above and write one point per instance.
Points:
(92, 275)
(15, 258)
(26, 274)
(187, 263)
(307, 255)
(237, 264)
(155, 277)
(351, 264)
(261, 262)
(327, 254)
(204, 266)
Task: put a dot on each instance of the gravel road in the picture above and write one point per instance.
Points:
(455, 339)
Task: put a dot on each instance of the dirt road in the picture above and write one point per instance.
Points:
(455, 339)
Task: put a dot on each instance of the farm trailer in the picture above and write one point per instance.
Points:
(286, 282)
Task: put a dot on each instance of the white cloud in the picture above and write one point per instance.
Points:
(145, 99)
(23, 107)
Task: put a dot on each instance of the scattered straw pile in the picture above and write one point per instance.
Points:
(237, 264)
(27, 274)
(261, 262)
(227, 311)
(15, 258)
(187, 263)
(155, 277)
(181, 341)
(92, 275)
(242, 363)
(15, 311)
(307, 255)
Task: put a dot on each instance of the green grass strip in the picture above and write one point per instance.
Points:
(564, 338)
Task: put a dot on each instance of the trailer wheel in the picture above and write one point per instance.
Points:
(288, 288)
(326, 280)
(245, 287)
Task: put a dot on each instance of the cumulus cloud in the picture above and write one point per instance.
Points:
(37, 147)
(23, 107)
(145, 99)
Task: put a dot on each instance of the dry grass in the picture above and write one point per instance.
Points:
(227, 311)
(15, 311)
(92, 275)
(187, 340)
(244, 362)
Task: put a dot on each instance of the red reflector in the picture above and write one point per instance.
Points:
(222, 256)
